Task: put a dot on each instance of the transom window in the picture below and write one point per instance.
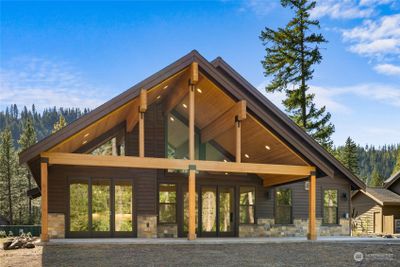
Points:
(247, 204)
(283, 206)
(167, 203)
(330, 206)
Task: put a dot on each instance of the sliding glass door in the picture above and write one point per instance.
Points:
(100, 207)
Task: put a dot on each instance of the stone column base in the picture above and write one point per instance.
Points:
(147, 226)
(56, 224)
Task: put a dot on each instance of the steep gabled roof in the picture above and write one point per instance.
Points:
(382, 196)
(392, 179)
(238, 88)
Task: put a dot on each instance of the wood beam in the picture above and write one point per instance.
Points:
(238, 128)
(133, 117)
(44, 192)
(143, 100)
(176, 164)
(192, 203)
(141, 134)
(224, 122)
(191, 122)
(178, 93)
(194, 73)
(312, 229)
(277, 180)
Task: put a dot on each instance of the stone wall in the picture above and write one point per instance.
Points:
(56, 225)
(167, 230)
(299, 228)
(147, 226)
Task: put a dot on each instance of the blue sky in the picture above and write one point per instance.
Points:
(80, 54)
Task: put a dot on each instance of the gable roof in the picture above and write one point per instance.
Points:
(392, 179)
(382, 196)
(238, 88)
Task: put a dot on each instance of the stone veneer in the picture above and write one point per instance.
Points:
(299, 228)
(147, 226)
(167, 230)
(56, 225)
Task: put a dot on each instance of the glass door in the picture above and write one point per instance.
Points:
(217, 211)
(101, 208)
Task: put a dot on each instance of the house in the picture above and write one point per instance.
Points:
(192, 151)
(378, 209)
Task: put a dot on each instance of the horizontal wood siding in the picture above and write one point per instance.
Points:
(395, 187)
(365, 208)
(300, 198)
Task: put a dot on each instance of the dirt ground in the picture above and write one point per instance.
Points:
(268, 254)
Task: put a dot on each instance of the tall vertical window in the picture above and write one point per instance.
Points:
(123, 206)
(247, 204)
(78, 205)
(186, 211)
(330, 207)
(283, 206)
(167, 203)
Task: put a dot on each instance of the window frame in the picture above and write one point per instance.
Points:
(323, 206)
(276, 206)
(161, 204)
(248, 205)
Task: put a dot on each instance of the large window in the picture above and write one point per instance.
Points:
(78, 206)
(247, 204)
(186, 211)
(330, 207)
(167, 203)
(283, 206)
(101, 206)
(123, 206)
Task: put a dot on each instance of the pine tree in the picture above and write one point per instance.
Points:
(291, 53)
(397, 164)
(349, 156)
(28, 138)
(8, 164)
(376, 179)
(60, 124)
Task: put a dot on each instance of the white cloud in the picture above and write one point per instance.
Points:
(27, 81)
(388, 69)
(375, 38)
(258, 7)
(331, 96)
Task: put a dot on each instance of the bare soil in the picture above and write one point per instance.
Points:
(269, 254)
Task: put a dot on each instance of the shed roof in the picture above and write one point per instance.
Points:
(382, 196)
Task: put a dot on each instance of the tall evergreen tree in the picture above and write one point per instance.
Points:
(8, 164)
(397, 164)
(28, 138)
(349, 156)
(61, 123)
(291, 53)
(376, 179)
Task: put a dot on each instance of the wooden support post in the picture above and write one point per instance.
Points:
(312, 230)
(142, 110)
(191, 122)
(192, 203)
(44, 189)
(141, 134)
(238, 127)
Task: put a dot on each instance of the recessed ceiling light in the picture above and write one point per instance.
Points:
(247, 156)
(86, 135)
(267, 148)
(172, 118)
(84, 142)
(225, 160)
(199, 90)
(226, 173)
(165, 87)
(158, 97)
(184, 105)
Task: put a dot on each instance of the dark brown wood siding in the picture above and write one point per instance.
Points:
(266, 203)
(395, 187)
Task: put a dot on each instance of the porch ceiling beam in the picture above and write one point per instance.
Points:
(272, 181)
(178, 164)
(178, 93)
(224, 122)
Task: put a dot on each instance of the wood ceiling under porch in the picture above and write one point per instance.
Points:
(220, 117)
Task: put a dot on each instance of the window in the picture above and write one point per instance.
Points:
(330, 207)
(78, 205)
(283, 206)
(247, 204)
(167, 203)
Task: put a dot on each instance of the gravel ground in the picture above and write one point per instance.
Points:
(269, 254)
